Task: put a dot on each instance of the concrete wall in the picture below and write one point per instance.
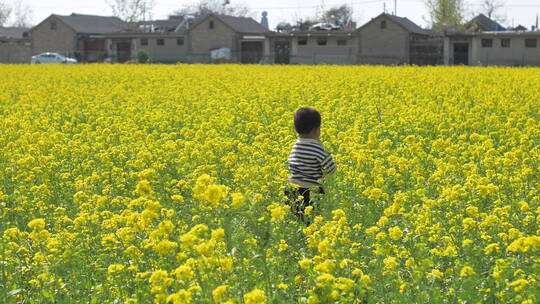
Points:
(62, 40)
(203, 39)
(383, 46)
(516, 55)
(15, 51)
(446, 51)
(169, 52)
(331, 53)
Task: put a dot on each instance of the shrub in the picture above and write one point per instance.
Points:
(142, 56)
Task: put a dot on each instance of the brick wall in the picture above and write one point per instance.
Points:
(15, 51)
(379, 45)
(203, 39)
(61, 40)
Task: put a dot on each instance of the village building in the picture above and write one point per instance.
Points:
(504, 48)
(389, 39)
(313, 47)
(162, 47)
(192, 41)
(385, 40)
(486, 42)
(163, 40)
(77, 35)
(15, 45)
(244, 37)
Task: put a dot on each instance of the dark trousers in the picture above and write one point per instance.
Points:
(298, 206)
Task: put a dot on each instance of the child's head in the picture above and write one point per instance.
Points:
(307, 122)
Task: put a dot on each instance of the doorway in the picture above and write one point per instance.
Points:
(251, 51)
(461, 54)
(282, 52)
(94, 50)
(123, 51)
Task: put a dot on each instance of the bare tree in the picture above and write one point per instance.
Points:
(22, 15)
(132, 10)
(222, 7)
(5, 12)
(341, 15)
(446, 14)
(491, 8)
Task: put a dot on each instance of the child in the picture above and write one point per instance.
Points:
(309, 161)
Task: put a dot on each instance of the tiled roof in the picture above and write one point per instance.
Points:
(162, 25)
(407, 24)
(243, 24)
(13, 32)
(92, 24)
(484, 24)
(239, 24)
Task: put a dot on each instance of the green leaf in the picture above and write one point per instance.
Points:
(47, 294)
(15, 291)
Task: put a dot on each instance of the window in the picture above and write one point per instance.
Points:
(487, 43)
(321, 41)
(53, 25)
(342, 42)
(505, 42)
(302, 40)
(144, 41)
(180, 41)
(160, 42)
(211, 24)
(531, 43)
(383, 25)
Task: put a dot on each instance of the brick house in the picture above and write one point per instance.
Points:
(245, 38)
(389, 39)
(77, 35)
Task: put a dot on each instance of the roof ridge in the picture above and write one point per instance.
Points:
(90, 15)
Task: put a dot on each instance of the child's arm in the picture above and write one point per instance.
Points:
(328, 164)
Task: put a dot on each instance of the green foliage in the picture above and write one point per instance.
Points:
(446, 14)
(142, 56)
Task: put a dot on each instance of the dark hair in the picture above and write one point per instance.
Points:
(306, 119)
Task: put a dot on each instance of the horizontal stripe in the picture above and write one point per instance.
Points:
(299, 162)
(305, 179)
(320, 154)
(326, 160)
(303, 158)
(309, 161)
(306, 174)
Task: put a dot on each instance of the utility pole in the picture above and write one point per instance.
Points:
(395, 7)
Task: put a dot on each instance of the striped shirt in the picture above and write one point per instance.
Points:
(309, 162)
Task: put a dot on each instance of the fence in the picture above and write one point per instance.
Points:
(251, 58)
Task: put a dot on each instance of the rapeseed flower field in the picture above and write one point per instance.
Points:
(164, 184)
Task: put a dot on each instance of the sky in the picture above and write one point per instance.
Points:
(517, 12)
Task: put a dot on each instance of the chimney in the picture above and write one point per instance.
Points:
(264, 19)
